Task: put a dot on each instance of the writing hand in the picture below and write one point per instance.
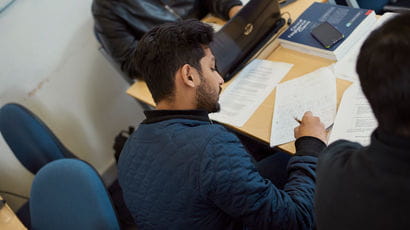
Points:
(311, 126)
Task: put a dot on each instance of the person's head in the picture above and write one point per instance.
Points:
(383, 66)
(178, 66)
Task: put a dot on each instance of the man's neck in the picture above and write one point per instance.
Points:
(168, 105)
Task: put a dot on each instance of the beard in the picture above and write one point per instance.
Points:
(207, 98)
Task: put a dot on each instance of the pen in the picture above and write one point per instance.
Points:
(329, 128)
(298, 121)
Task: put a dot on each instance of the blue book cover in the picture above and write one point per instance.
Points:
(343, 18)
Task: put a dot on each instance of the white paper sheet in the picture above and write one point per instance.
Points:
(315, 92)
(354, 120)
(346, 67)
(244, 2)
(216, 27)
(248, 90)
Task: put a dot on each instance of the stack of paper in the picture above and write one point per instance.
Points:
(354, 120)
(248, 90)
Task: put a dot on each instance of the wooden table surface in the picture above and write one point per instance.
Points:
(9, 220)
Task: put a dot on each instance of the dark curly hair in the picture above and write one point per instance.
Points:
(166, 48)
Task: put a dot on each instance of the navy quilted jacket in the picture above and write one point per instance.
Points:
(183, 172)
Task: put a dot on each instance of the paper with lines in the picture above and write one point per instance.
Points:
(248, 90)
(315, 92)
(355, 120)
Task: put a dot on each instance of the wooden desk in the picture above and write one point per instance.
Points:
(259, 125)
(8, 220)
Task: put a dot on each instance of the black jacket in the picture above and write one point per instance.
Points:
(119, 24)
(364, 187)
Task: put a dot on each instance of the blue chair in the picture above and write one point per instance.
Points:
(35, 145)
(31, 141)
(69, 194)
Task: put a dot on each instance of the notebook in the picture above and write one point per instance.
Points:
(242, 37)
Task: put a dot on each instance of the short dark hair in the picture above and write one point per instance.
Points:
(383, 66)
(166, 48)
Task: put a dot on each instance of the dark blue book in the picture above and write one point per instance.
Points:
(353, 23)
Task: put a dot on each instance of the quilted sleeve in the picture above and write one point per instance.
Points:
(220, 8)
(231, 181)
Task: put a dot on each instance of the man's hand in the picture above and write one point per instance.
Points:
(311, 126)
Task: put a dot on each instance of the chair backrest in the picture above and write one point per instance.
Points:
(69, 194)
(32, 142)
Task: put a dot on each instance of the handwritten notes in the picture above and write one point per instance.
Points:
(315, 92)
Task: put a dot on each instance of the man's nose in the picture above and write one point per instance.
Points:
(221, 80)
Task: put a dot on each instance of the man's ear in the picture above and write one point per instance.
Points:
(187, 75)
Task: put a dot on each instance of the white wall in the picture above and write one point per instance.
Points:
(49, 62)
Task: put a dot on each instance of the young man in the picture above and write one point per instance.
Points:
(178, 170)
(368, 187)
(119, 24)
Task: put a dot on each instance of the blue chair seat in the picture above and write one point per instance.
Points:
(69, 194)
